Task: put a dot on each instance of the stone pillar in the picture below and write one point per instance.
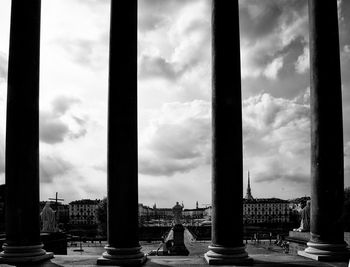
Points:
(227, 157)
(122, 174)
(327, 168)
(22, 221)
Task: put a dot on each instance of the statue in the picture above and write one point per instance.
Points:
(305, 218)
(48, 218)
(178, 247)
(177, 211)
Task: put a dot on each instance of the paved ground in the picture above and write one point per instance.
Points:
(260, 260)
(264, 254)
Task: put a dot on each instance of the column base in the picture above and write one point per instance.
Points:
(24, 254)
(326, 252)
(122, 256)
(227, 256)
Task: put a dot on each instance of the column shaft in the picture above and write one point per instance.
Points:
(227, 156)
(22, 222)
(327, 167)
(122, 170)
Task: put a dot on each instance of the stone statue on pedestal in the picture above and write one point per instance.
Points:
(178, 247)
(177, 211)
(48, 219)
(305, 218)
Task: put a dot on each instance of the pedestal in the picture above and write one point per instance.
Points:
(326, 252)
(227, 256)
(297, 241)
(24, 254)
(179, 248)
(55, 242)
(120, 256)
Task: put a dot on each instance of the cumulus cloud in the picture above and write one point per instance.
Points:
(87, 52)
(273, 68)
(173, 41)
(277, 138)
(286, 178)
(93, 3)
(302, 64)
(177, 139)
(52, 167)
(147, 7)
(52, 130)
(151, 67)
(174, 67)
(55, 125)
(3, 66)
(61, 104)
(274, 40)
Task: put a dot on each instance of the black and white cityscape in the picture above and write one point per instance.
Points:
(175, 133)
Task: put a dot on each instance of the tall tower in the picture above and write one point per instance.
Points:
(249, 192)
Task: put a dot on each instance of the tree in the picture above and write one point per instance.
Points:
(347, 194)
(102, 217)
(346, 210)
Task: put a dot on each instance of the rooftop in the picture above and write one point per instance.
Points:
(84, 201)
(265, 200)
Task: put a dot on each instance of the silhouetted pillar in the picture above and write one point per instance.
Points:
(122, 174)
(227, 158)
(22, 221)
(327, 167)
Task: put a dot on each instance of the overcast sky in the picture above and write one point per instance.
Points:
(174, 59)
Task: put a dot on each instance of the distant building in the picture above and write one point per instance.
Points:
(146, 213)
(83, 212)
(63, 213)
(266, 210)
(262, 211)
(163, 213)
(197, 213)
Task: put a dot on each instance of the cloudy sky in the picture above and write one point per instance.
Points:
(174, 60)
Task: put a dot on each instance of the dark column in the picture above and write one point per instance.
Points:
(327, 168)
(227, 158)
(122, 220)
(22, 224)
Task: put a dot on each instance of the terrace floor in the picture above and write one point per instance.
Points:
(261, 260)
(263, 254)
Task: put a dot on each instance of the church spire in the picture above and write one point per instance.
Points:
(249, 192)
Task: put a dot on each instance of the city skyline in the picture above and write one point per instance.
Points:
(174, 98)
(197, 203)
